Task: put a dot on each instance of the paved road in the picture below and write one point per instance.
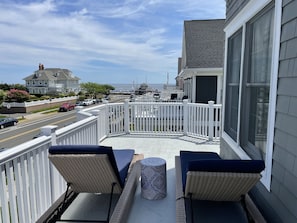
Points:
(30, 127)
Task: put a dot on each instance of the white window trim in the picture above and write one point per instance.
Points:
(248, 12)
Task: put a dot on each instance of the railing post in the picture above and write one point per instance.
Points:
(210, 120)
(50, 130)
(96, 113)
(186, 116)
(126, 117)
(78, 109)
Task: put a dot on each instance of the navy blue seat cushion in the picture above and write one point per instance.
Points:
(187, 156)
(120, 161)
(123, 159)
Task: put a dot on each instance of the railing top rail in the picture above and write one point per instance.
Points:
(75, 125)
(204, 105)
(111, 104)
(23, 148)
(155, 102)
(93, 107)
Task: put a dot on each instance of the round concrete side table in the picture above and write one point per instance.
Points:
(153, 178)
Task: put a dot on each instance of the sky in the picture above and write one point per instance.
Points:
(101, 41)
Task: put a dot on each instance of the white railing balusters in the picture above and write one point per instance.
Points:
(19, 188)
(47, 190)
(36, 179)
(25, 191)
(211, 120)
(4, 196)
(11, 191)
(32, 185)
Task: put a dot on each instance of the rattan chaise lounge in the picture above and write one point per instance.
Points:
(95, 169)
(206, 178)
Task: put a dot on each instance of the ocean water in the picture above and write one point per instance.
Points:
(131, 87)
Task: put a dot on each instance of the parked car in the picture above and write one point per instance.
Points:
(5, 122)
(66, 107)
(2, 149)
(87, 102)
(98, 100)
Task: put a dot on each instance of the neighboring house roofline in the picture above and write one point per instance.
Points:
(190, 72)
(203, 43)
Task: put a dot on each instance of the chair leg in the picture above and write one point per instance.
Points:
(191, 208)
(57, 213)
(243, 203)
(110, 201)
(65, 197)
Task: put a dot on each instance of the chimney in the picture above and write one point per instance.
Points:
(41, 67)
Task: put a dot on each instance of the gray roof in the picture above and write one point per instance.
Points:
(204, 43)
(52, 74)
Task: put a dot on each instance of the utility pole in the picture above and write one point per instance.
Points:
(167, 79)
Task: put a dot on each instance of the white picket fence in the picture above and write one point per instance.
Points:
(166, 118)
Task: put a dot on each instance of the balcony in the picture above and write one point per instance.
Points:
(29, 184)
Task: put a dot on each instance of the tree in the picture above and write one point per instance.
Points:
(7, 87)
(4, 87)
(108, 88)
(2, 96)
(17, 95)
(18, 86)
(93, 88)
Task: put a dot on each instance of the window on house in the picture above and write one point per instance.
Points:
(253, 98)
(232, 84)
(256, 84)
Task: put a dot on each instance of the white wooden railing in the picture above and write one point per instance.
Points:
(25, 181)
(29, 184)
(166, 118)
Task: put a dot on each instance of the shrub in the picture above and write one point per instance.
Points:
(14, 95)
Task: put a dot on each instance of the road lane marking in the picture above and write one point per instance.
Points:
(18, 135)
(29, 131)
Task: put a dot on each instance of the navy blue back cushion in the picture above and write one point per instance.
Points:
(187, 156)
(211, 162)
(234, 166)
(119, 163)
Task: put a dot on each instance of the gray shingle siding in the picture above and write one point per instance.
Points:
(289, 30)
(284, 173)
(233, 7)
(289, 11)
(280, 203)
(204, 43)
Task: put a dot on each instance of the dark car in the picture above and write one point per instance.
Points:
(5, 122)
(2, 149)
(66, 107)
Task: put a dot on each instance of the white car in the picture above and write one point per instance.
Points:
(87, 102)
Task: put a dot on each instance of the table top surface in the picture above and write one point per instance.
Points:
(153, 161)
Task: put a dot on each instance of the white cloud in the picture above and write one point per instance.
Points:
(201, 9)
(74, 34)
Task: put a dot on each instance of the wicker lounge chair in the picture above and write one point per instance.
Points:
(96, 169)
(204, 176)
